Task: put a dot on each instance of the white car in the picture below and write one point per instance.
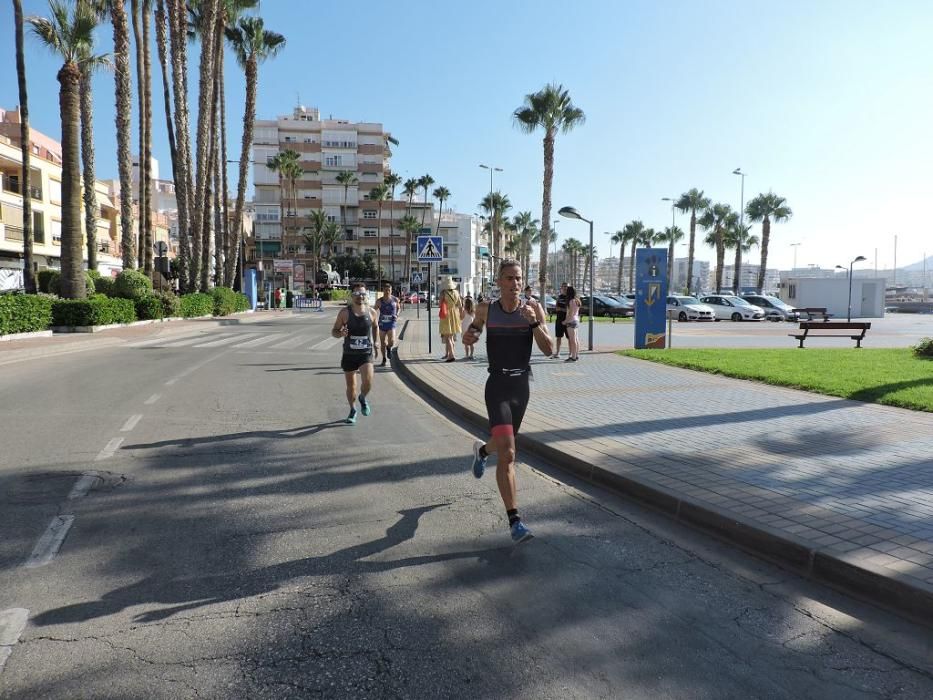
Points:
(733, 308)
(688, 309)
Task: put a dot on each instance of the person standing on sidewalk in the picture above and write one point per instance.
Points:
(560, 330)
(469, 312)
(388, 308)
(571, 323)
(356, 323)
(513, 322)
(450, 313)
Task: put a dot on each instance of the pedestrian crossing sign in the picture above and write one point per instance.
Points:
(430, 248)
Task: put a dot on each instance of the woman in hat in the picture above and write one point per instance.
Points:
(451, 313)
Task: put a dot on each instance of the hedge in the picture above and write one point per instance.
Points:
(171, 304)
(196, 304)
(96, 311)
(335, 295)
(53, 283)
(105, 286)
(24, 313)
(149, 307)
(132, 284)
(227, 302)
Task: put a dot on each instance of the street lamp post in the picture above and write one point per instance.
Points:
(795, 246)
(572, 213)
(492, 215)
(670, 263)
(860, 258)
(735, 273)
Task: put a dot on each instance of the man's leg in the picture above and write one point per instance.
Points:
(503, 444)
(366, 372)
(351, 395)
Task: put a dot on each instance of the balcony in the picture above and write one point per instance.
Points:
(339, 144)
(109, 247)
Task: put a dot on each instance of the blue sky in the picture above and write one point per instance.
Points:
(827, 103)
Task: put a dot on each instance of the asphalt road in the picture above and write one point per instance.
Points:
(237, 540)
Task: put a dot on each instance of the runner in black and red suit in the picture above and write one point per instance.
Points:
(512, 322)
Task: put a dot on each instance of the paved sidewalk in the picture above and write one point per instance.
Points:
(839, 490)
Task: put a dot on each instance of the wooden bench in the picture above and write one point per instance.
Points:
(844, 329)
(814, 311)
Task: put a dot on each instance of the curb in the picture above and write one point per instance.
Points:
(861, 580)
(26, 336)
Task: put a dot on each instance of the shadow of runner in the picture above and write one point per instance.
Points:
(192, 593)
(299, 432)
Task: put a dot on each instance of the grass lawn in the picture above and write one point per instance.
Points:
(887, 376)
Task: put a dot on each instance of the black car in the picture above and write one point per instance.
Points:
(604, 306)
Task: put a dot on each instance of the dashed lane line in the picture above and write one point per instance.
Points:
(195, 368)
(225, 341)
(326, 344)
(50, 542)
(131, 422)
(109, 449)
(152, 399)
(12, 624)
(84, 484)
(262, 340)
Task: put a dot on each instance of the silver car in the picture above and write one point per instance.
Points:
(733, 308)
(688, 309)
(774, 308)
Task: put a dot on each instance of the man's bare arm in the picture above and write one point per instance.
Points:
(475, 329)
(340, 324)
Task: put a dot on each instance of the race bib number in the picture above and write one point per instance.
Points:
(386, 318)
(359, 342)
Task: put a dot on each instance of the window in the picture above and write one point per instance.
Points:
(369, 214)
(333, 161)
(331, 218)
(792, 291)
(369, 233)
(369, 251)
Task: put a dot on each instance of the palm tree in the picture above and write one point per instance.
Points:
(29, 280)
(252, 44)
(572, 247)
(633, 231)
(590, 254)
(123, 95)
(425, 182)
(764, 209)
(314, 239)
(143, 206)
(496, 205)
(379, 194)
(621, 237)
(441, 194)
(69, 34)
(392, 180)
(670, 235)
(693, 201)
(409, 225)
(160, 20)
(526, 228)
(347, 178)
(738, 236)
(410, 189)
(714, 220)
(551, 110)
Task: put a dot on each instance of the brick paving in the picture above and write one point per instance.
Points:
(846, 480)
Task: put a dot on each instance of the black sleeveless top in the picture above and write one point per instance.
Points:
(359, 339)
(508, 339)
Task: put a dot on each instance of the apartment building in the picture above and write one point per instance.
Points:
(327, 147)
(45, 188)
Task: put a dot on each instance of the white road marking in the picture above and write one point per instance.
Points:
(131, 422)
(84, 484)
(195, 368)
(184, 341)
(152, 399)
(225, 341)
(290, 343)
(12, 624)
(50, 542)
(108, 451)
(326, 344)
(261, 340)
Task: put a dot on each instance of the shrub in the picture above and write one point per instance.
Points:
(224, 301)
(24, 313)
(924, 348)
(105, 286)
(149, 307)
(242, 302)
(55, 283)
(131, 284)
(171, 304)
(45, 280)
(335, 295)
(93, 274)
(95, 311)
(196, 304)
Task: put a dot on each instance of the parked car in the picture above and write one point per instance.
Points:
(774, 308)
(604, 306)
(624, 300)
(550, 305)
(688, 309)
(727, 306)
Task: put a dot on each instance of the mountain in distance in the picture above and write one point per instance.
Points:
(918, 266)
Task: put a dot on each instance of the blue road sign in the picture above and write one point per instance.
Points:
(650, 297)
(430, 248)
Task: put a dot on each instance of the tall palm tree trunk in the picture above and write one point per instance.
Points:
(72, 277)
(29, 278)
(720, 257)
(549, 136)
(87, 161)
(690, 251)
(160, 20)
(737, 270)
(670, 265)
(631, 268)
(765, 238)
(379, 243)
(142, 195)
(229, 249)
(619, 276)
(121, 51)
(146, 146)
(392, 274)
(249, 113)
(220, 242)
(207, 220)
(178, 38)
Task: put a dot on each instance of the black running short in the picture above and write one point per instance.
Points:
(351, 363)
(506, 401)
(560, 330)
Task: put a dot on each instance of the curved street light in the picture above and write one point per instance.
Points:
(572, 213)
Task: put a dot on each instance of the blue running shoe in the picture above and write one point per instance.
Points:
(479, 463)
(364, 404)
(520, 533)
(351, 419)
